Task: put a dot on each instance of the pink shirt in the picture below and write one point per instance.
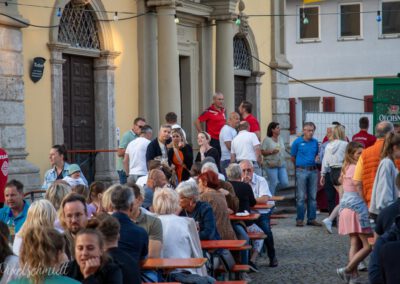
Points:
(348, 183)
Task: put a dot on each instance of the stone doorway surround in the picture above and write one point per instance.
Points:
(253, 81)
(104, 88)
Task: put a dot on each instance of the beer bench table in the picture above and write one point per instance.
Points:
(213, 245)
(172, 263)
(262, 206)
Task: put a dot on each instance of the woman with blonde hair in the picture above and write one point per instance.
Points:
(56, 193)
(330, 172)
(42, 257)
(180, 155)
(41, 214)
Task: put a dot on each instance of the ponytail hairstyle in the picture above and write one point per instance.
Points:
(40, 252)
(391, 140)
(351, 148)
(5, 249)
(62, 151)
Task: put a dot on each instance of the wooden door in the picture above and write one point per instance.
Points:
(78, 99)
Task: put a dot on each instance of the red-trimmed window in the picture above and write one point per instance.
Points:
(328, 104)
(292, 115)
(368, 103)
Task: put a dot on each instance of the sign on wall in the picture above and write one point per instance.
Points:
(387, 100)
(37, 69)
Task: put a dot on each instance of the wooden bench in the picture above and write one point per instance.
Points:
(246, 247)
(279, 216)
(256, 236)
(232, 282)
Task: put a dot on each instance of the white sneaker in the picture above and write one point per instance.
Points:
(328, 225)
(362, 266)
(244, 276)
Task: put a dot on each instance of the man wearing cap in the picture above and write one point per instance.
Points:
(214, 117)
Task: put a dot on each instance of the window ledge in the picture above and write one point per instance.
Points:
(350, 38)
(311, 40)
(388, 36)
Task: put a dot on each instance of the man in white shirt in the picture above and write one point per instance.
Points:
(246, 146)
(262, 194)
(228, 132)
(135, 155)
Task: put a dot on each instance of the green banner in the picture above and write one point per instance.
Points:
(387, 100)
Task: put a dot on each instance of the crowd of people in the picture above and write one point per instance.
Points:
(168, 200)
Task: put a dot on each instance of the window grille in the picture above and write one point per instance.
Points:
(241, 54)
(78, 27)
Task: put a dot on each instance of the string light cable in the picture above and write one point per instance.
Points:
(312, 86)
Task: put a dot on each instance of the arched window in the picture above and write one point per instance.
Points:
(241, 54)
(78, 27)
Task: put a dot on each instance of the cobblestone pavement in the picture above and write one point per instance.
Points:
(305, 254)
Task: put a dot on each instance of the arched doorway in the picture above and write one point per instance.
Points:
(247, 70)
(82, 66)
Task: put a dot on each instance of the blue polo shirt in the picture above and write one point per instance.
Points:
(6, 215)
(304, 151)
(132, 238)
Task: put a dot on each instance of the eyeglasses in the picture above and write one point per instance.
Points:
(247, 170)
(72, 216)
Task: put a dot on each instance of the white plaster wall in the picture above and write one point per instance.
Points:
(331, 58)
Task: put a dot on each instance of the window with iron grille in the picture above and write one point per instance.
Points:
(78, 27)
(241, 54)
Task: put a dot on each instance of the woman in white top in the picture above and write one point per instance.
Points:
(384, 190)
(330, 172)
(273, 150)
(180, 237)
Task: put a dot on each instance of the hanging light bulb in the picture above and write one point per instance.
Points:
(176, 19)
(305, 19)
(59, 12)
(238, 21)
(115, 16)
(378, 16)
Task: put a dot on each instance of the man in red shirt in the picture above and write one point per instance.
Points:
(214, 117)
(363, 136)
(3, 174)
(245, 111)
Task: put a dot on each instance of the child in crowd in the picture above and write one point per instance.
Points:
(74, 175)
(96, 191)
(353, 218)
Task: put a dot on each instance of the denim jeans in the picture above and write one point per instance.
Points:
(264, 222)
(275, 177)
(241, 234)
(122, 177)
(306, 188)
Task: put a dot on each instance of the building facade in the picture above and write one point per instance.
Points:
(339, 46)
(106, 63)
